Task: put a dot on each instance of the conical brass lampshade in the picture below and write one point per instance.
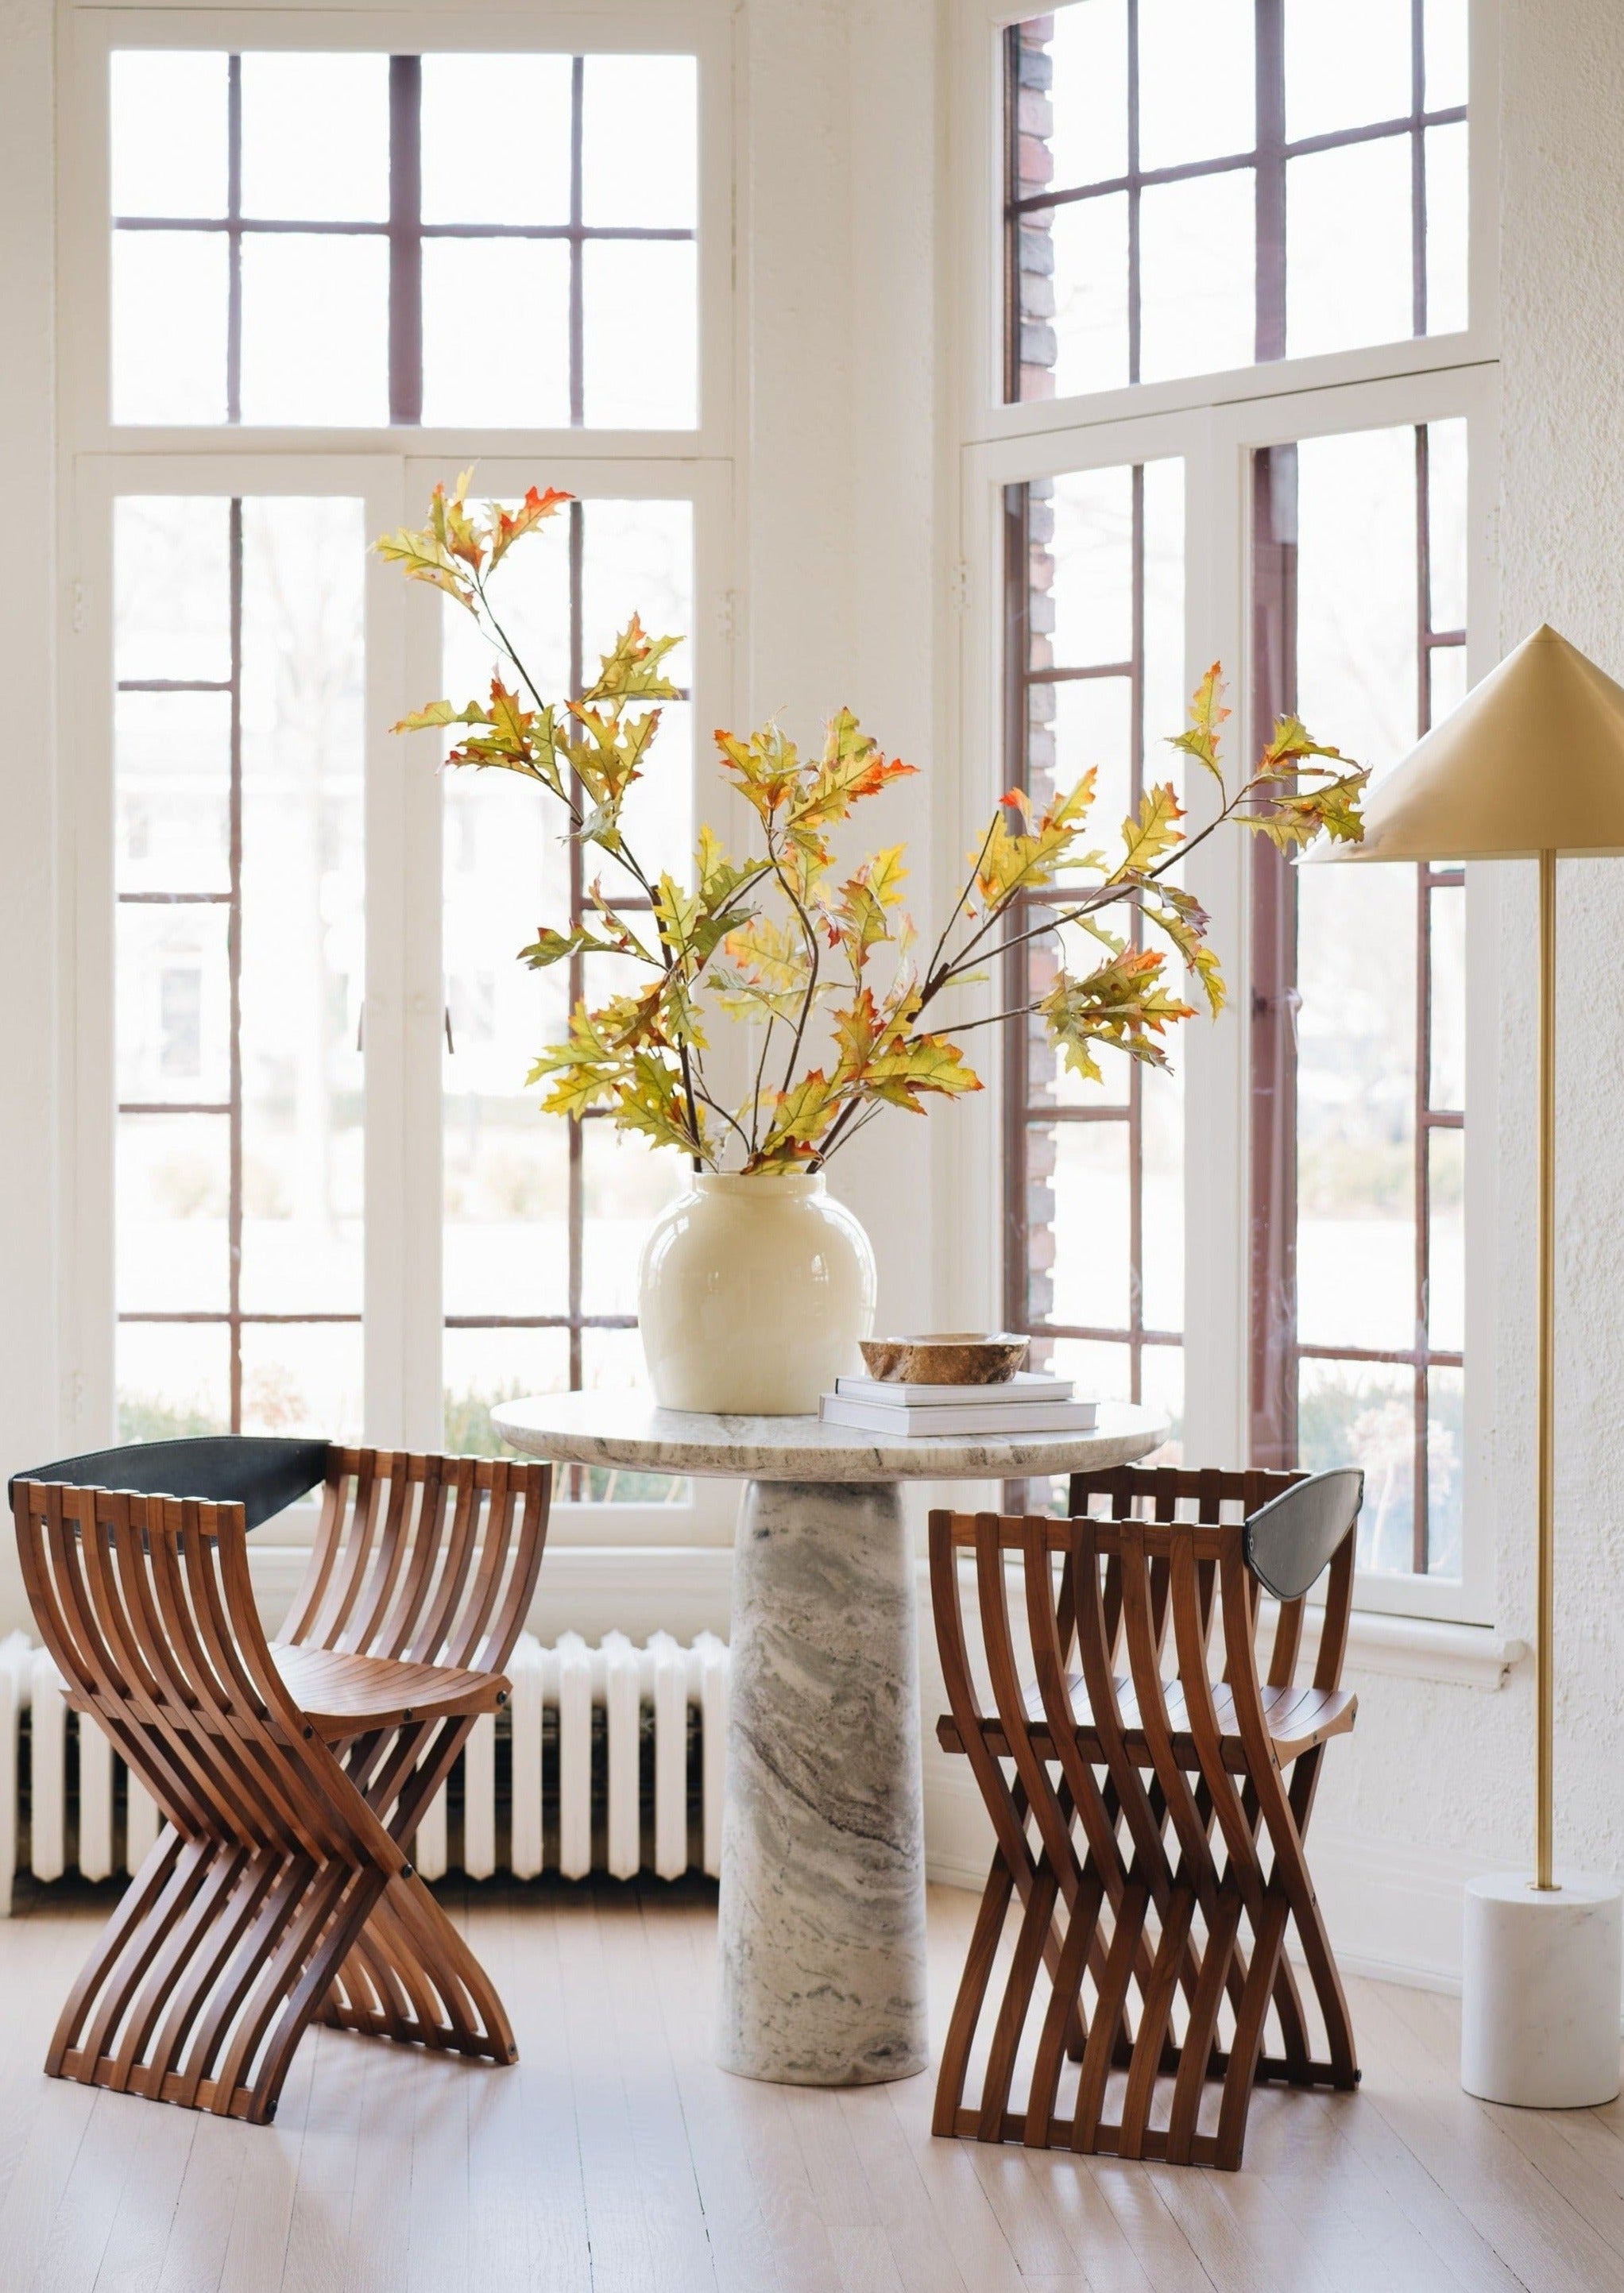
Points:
(1531, 761)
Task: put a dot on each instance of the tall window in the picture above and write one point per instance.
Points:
(299, 944)
(1094, 1211)
(1359, 1000)
(1197, 194)
(1198, 184)
(331, 238)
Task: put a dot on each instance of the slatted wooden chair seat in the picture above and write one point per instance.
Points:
(293, 1777)
(1297, 1717)
(1150, 1778)
(348, 1695)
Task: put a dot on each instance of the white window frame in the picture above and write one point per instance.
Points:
(391, 469)
(1214, 423)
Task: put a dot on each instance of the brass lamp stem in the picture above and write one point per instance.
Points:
(1545, 1636)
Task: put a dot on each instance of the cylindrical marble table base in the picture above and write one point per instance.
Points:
(823, 1905)
(1540, 1992)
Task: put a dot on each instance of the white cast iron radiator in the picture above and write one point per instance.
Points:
(607, 1755)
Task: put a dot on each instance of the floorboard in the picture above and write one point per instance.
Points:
(617, 2159)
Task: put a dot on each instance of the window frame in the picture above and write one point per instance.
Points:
(391, 469)
(701, 27)
(1215, 422)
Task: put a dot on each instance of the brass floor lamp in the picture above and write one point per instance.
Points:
(1530, 767)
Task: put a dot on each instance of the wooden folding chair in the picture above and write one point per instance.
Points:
(1150, 1789)
(293, 1775)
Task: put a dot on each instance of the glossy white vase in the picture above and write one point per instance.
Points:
(751, 1296)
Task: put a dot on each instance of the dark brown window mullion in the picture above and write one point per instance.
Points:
(405, 240)
(1273, 1185)
(578, 323)
(234, 239)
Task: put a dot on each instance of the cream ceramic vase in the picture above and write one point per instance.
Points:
(752, 1294)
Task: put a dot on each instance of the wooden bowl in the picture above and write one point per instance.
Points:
(946, 1358)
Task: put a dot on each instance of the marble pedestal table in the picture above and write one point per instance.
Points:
(821, 1915)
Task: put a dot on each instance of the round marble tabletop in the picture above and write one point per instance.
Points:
(625, 1429)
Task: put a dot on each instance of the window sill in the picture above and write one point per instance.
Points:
(1421, 1648)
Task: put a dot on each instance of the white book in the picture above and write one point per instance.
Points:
(1019, 1420)
(1027, 1386)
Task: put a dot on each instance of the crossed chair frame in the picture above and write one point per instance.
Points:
(293, 1776)
(1150, 1830)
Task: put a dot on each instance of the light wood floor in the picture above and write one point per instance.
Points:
(617, 2158)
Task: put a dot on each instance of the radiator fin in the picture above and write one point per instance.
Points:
(666, 1690)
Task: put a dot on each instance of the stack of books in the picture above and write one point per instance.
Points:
(1027, 1403)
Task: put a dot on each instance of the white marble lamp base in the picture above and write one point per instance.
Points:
(1540, 1990)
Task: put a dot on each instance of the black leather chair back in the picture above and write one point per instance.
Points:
(1291, 1539)
(263, 1474)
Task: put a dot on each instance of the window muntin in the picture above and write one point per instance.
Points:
(297, 238)
(544, 1217)
(1094, 1175)
(1196, 185)
(1359, 1004)
(237, 777)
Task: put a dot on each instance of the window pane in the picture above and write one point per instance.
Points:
(1446, 485)
(1340, 75)
(1356, 599)
(315, 328)
(303, 969)
(315, 137)
(167, 112)
(1446, 1448)
(171, 588)
(1101, 1373)
(1447, 1272)
(485, 1367)
(173, 1380)
(1448, 680)
(1364, 1414)
(1197, 310)
(1446, 53)
(516, 374)
(1092, 1231)
(1092, 718)
(1446, 229)
(1161, 1387)
(303, 1379)
(507, 1172)
(168, 325)
(491, 177)
(1197, 81)
(625, 1185)
(1089, 92)
(173, 765)
(610, 1359)
(639, 317)
(638, 555)
(174, 1005)
(640, 132)
(1089, 349)
(1448, 1091)
(1356, 1229)
(1092, 551)
(172, 1189)
(1349, 269)
(1162, 1161)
